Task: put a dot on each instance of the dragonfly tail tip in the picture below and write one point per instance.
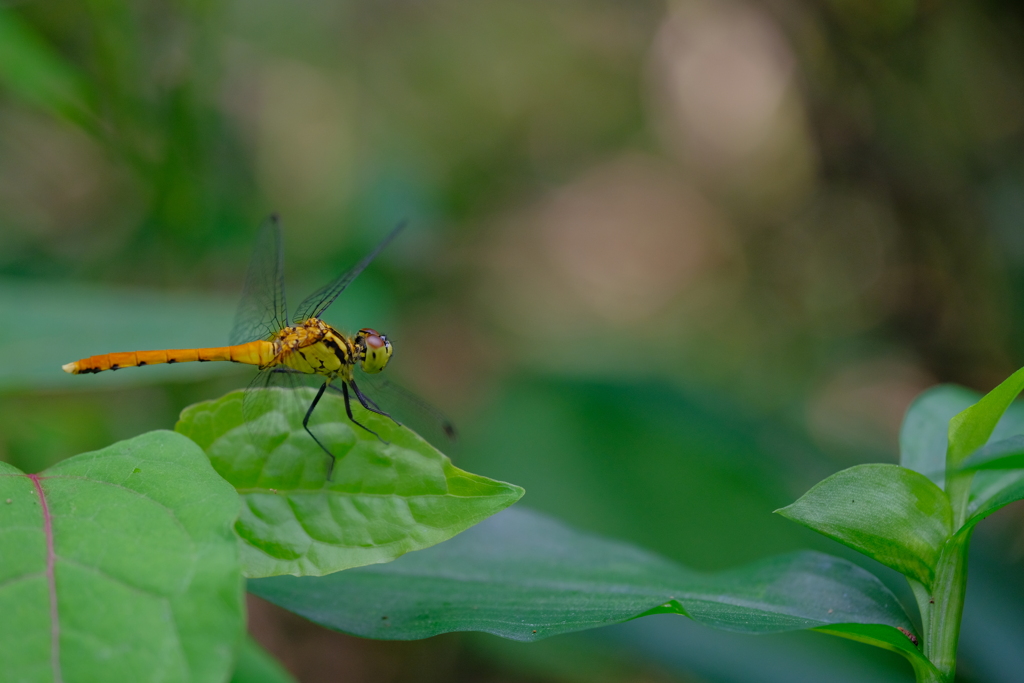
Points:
(71, 368)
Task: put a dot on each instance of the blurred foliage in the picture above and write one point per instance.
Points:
(695, 254)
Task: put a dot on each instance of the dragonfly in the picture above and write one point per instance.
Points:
(290, 351)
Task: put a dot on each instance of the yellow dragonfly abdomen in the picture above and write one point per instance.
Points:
(253, 353)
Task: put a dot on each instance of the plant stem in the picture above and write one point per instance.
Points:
(946, 605)
(929, 676)
(924, 602)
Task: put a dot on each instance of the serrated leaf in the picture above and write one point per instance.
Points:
(120, 565)
(383, 501)
(523, 576)
(924, 434)
(894, 515)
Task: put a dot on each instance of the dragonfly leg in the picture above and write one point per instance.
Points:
(370, 404)
(348, 409)
(305, 425)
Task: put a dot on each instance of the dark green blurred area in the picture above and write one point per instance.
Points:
(669, 264)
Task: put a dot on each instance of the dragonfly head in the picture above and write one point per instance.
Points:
(375, 350)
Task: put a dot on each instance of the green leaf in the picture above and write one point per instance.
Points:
(523, 576)
(894, 515)
(518, 575)
(1007, 454)
(971, 428)
(256, 665)
(120, 565)
(890, 639)
(384, 500)
(992, 490)
(969, 431)
(999, 479)
(32, 70)
(787, 592)
(924, 435)
(924, 441)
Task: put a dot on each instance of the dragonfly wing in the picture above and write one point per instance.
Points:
(258, 399)
(319, 301)
(409, 409)
(262, 311)
(274, 405)
(278, 389)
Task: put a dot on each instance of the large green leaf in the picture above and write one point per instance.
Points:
(384, 499)
(120, 565)
(523, 576)
(895, 515)
(924, 435)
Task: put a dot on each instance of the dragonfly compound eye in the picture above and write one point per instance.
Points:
(378, 352)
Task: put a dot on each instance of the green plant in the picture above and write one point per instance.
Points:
(127, 564)
(130, 560)
(525, 577)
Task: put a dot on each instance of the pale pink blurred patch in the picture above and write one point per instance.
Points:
(722, 81)
(615, 247)
(628, 237)
(862, 404)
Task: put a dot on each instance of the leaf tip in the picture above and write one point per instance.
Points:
(783, 511)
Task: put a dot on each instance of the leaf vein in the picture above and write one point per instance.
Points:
(23, 577)
(115, 579)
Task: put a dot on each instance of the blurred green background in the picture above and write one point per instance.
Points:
(669, 263)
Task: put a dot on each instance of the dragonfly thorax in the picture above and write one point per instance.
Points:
(314, 347)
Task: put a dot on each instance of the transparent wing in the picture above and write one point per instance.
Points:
(274, 404)
(262, 311)
(319, 301)
(409, 409)
(257, 402)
